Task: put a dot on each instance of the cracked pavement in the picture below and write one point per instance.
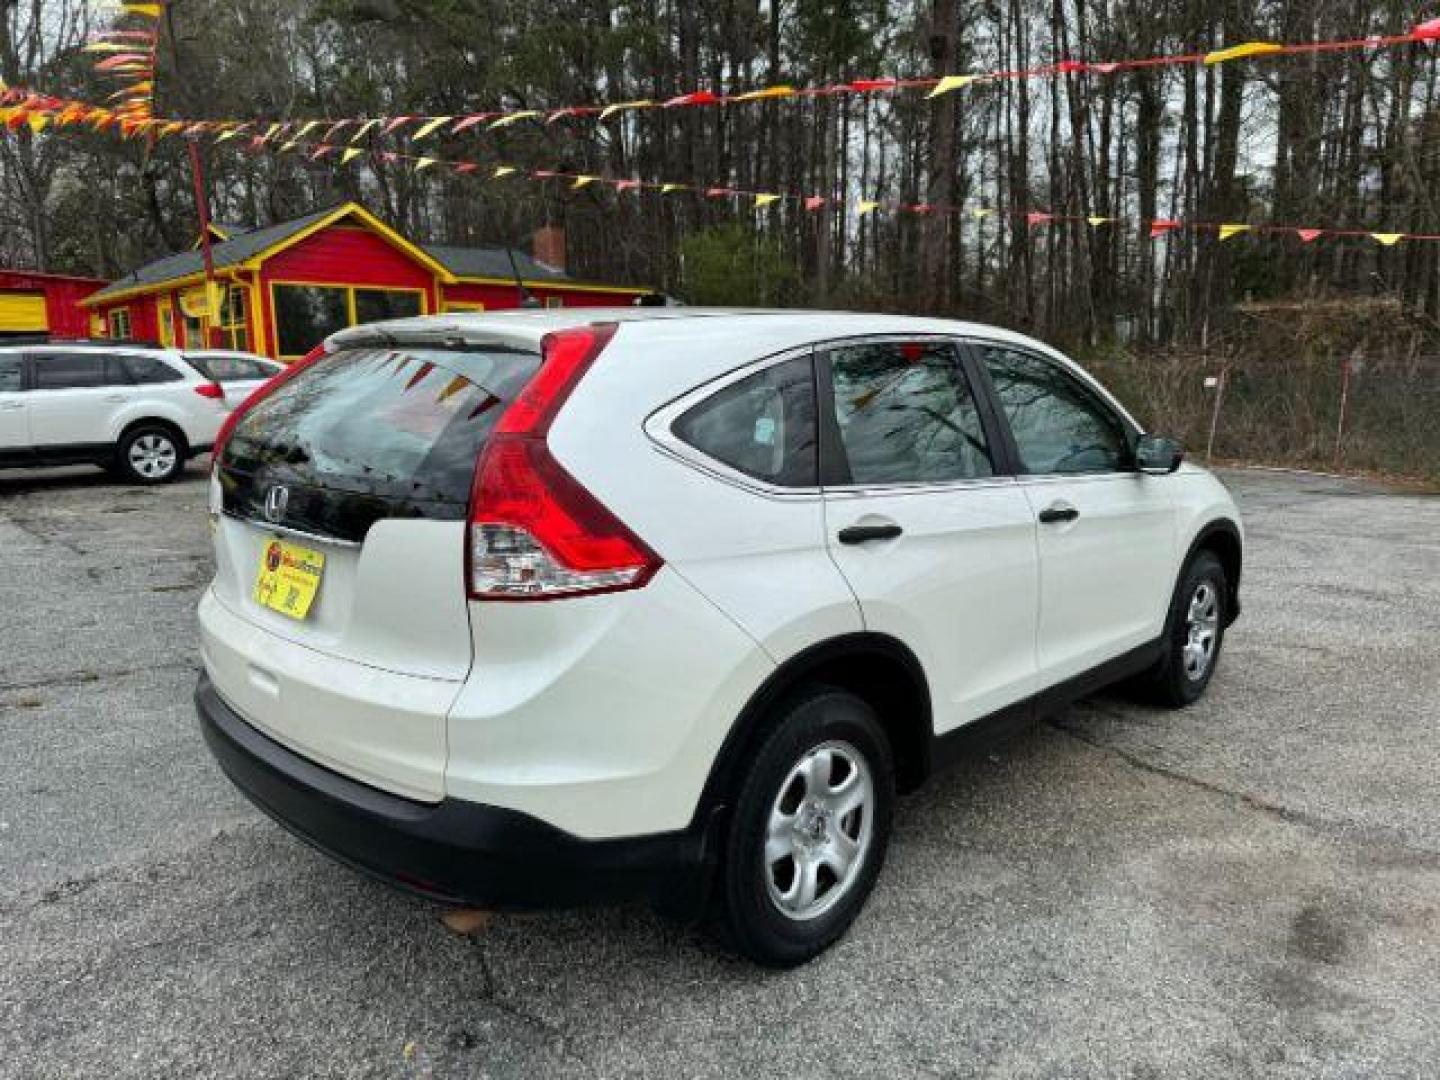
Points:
(1247, 888)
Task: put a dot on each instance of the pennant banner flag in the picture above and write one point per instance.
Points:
(1229, 230)
(129, 54)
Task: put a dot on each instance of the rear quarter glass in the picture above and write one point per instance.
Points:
(372, 433)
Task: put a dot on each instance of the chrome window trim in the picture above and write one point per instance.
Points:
(293, 534)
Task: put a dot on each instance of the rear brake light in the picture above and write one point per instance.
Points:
(535, 532)
(212, 390)
(259, 394)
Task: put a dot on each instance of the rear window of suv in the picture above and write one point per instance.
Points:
(373, 433)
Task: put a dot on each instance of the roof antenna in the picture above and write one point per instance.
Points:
(527, 298)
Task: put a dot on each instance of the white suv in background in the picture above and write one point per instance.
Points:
(139, 411)
(551, 608)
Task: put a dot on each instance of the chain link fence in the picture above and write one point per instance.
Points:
(1352, 411)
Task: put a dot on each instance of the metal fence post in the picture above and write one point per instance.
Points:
(1344, 405)
(1215, 414)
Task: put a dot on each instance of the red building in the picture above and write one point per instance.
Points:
(34, 303)
(282, 290)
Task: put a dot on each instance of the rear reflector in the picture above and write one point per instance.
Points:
(535, 532)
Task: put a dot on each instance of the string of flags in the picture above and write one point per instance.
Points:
(20, 109)
(810, 203)
(132, 55)
(127, 54)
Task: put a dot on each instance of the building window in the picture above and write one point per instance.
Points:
(235, 319)
(120, 323)
(554, 301)
(305, 315)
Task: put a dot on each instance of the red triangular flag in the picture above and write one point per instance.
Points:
(1427, 31)
(1071, 67)
(465, 168)
(1161, 226)
(1308, 235)
(626, 185)
(1038, 217)
(699, 97)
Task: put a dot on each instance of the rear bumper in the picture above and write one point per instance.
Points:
(454, 851)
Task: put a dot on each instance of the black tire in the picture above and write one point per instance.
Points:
(1177, 680)
(825, 727)
(150, 454)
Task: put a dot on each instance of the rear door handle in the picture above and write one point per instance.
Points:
(1053, 515)
(863, 534)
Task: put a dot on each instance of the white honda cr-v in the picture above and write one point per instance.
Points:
(551, 608)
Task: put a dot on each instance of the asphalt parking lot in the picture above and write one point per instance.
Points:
(1248, 888)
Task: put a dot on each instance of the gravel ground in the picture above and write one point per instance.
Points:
(1248, 888)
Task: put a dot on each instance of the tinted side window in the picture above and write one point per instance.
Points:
(762, 426)
(229, 368)
(1058, 424)
(906, 414)
(77, 371)
(149, 371)
(12, 374)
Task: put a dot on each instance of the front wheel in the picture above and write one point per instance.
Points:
(810, 831)
(1195, 632)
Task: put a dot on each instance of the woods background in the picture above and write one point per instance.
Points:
(1346, 140)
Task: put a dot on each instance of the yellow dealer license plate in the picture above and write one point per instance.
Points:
(289, 578)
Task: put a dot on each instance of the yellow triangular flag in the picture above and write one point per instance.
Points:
(1098, 221)
(582, 181)
(363, 129)
(981, 212)
(430, 127)
(506, 121)
(424, 163)
(1227, 231)
(1237, 52)
(38, 122)
(503, 171)
(666, 189)
(310, 125)
(151, 10)
(765, 200)
(867, 205)
(611, 110)
(951, 82)
(226, 136)
(768, 92)
(1389, 239)
(350, 155)
(289, 146)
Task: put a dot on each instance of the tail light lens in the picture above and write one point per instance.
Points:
(259, 394)
(535, 532)
(212, 390)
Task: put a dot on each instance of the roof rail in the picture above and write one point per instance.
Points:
(94, 343)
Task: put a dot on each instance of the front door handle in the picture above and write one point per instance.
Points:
(1053, 515)
(863, 534)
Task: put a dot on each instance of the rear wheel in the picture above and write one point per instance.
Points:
(810, 830)
(150, 454)
(1194, 636)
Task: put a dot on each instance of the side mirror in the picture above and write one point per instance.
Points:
(1155, 455)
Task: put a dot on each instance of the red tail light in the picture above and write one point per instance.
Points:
(535, 532)
(259, 394)
(212, 390)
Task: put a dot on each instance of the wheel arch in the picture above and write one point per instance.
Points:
(1222, 536)
(877, 668)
